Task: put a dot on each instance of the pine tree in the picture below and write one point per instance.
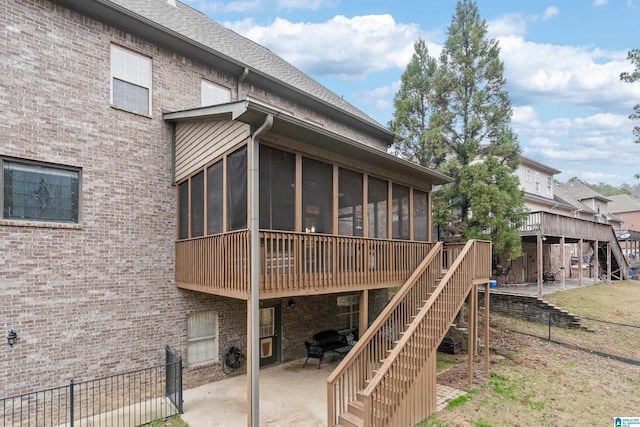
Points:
(413, 109)
(470, 124)
(634, 57)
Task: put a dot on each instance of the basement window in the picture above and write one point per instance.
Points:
(202, 337)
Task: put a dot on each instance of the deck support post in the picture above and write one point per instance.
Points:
(540, 259)
(562, 260)
(580, 265)
(487, 298)
(471, 332)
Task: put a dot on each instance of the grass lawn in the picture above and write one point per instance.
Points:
(536, 383)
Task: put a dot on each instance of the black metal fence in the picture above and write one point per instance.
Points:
(615, 340)
(124, 400)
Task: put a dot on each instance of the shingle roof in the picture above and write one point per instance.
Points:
(623, 203)
(579, 191)
(197, 27)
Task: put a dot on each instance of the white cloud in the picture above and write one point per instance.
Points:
(380, 98)
(596, 148)
(507, 25)
(348, 48)
(305, 4)
(567, 74)
(598, 3)
(550, 12)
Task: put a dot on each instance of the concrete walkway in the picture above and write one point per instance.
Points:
(290, 395)
(531, 289)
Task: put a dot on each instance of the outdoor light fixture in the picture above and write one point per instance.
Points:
(12, 337)
(290, 303)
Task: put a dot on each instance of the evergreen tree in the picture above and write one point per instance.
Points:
(470, 124)
(634, 57)
(413, 109)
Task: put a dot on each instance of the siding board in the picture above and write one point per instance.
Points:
(198, 143)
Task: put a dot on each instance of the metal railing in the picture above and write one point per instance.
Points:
(124, 400)
(609, 339)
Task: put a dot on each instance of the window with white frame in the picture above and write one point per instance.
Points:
(130, 80)
(528, 175)
(212, 94)
(348, 312)
(33, 191)
(537, 180)
(549, 184)
(202, 337)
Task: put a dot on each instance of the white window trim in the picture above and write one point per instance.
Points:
(215, 337)
(148, 85)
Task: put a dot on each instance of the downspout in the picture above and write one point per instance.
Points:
(254, 230)
(241, 79)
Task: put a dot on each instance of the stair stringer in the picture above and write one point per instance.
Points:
(400, 377)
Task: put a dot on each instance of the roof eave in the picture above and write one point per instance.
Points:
(254, 113)
(120, 17)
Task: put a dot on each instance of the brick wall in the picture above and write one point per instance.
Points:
(99, 298)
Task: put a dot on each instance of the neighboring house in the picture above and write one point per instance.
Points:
(628, 209)
(539, 187)
(161, 174)
(567, 225)
(588, 203)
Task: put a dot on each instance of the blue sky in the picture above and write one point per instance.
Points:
(562, 63)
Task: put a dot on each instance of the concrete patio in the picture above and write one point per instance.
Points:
(290, 395)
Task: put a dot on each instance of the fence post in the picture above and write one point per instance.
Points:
(180, 367)
(71, 408)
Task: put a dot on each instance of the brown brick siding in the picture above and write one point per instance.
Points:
(99, 298)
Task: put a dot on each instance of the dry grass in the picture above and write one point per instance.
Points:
(536, 383)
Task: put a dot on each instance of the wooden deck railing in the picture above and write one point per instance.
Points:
(388, 368)
(295, 263)
(550, 224)
(214, 264)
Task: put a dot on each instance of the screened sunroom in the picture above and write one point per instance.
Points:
(335, 215)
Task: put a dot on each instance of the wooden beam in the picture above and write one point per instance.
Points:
(486, 329)
(596, 260)
(563, 261)
(298, 196)
(363, 321)
(540, 264)
(580, 265)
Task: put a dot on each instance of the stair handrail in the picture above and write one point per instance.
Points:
(362, 346)
(401, 345)
(623, 264)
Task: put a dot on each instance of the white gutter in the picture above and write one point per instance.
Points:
(253, 420)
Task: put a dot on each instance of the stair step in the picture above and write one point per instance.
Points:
(357, 408)
(350, 420)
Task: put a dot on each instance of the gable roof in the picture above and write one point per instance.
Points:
(623, 203)
(580, 192)
(191, 33)
(526, 161)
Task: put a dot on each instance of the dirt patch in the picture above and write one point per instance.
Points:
(536, 383)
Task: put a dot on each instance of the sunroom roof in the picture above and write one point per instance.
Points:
(255, 113)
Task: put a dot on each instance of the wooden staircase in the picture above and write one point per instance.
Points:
(619, 264)
(389, 377)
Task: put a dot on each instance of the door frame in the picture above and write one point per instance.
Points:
(276, 341)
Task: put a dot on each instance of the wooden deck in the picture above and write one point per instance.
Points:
(573, 229)
(296, 263)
